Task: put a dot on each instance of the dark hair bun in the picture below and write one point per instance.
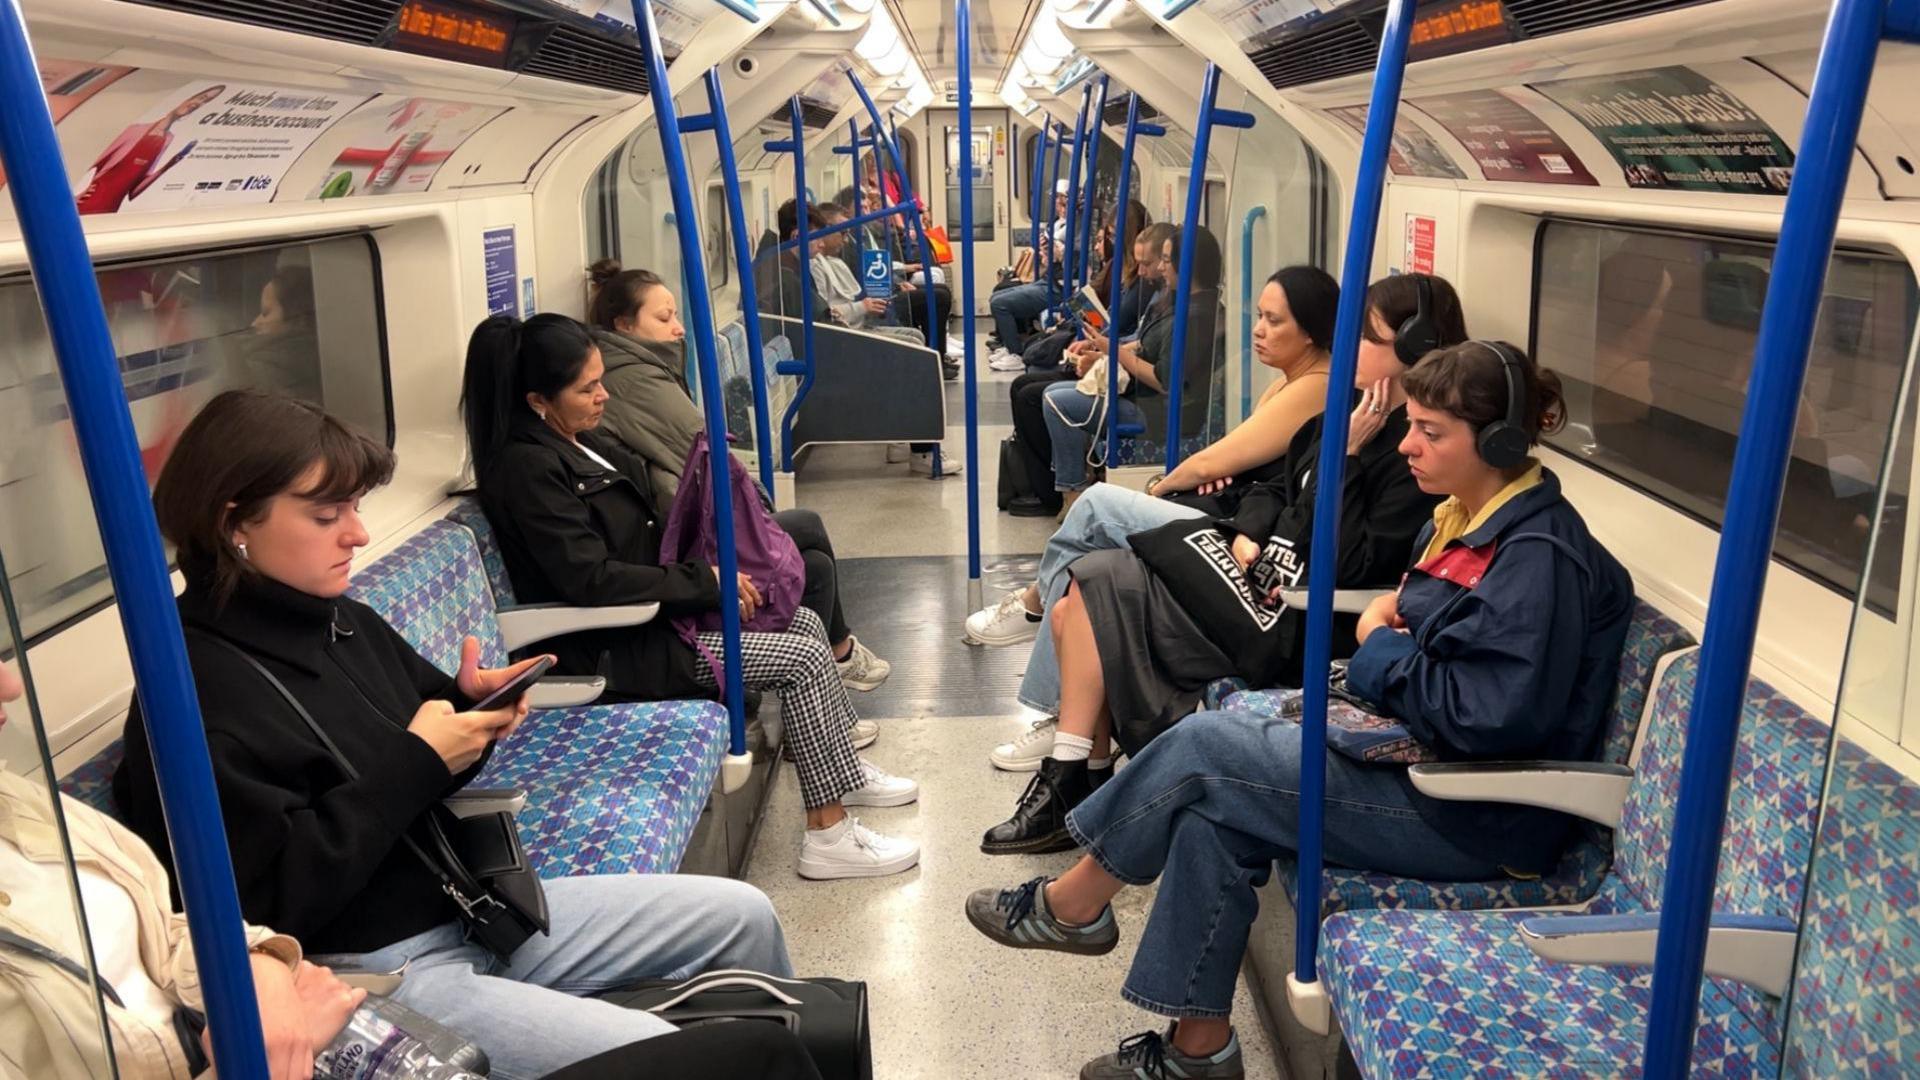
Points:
(603, 271)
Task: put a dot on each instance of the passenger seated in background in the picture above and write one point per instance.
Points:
(1502, 642)
(1015, 307)
(260, 500)
(636, 326)
(776, 271)
(1076, 419)
(283, 353)
(840, 285)
(142, 952)
(577, 525)
(1171, 583)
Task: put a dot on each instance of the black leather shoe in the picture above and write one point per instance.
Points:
(1039, 823)
(1031, 506)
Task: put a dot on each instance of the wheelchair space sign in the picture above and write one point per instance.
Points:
(876, 275)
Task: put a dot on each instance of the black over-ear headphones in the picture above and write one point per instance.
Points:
(1417, 336)
(1504, 443)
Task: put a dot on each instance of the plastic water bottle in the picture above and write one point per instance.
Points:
(371, 1047)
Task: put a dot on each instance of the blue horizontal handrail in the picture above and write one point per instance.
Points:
(855, 222)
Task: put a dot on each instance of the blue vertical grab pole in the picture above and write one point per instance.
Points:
(1322, 571)
(1085, 265)
(110, 454)
(1039, 199)
(749, 291)
(963, 55)
(803, 257)
(1753, 507)
(700, 315)
(1246, 309)
(1122, 190)
(908, 196)
(1069, 271)
(1211, 116)
(1053, 214)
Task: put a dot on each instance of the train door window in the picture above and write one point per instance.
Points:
(1653, 333)
(718, 232)
(910, 156)
(58, 1025)
(302, 319)
(979, 187)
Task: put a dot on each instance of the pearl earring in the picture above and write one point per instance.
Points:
(243, 550)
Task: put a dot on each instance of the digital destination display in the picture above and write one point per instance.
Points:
(454, 33)
(1444, 29)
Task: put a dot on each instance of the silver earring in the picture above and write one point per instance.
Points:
(243, 551)
(541, 413)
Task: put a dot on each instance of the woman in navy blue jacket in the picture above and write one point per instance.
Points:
(1502, 642)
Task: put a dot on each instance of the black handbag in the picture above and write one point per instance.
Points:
(478, 858)
(1014, 480)
(828, 1015)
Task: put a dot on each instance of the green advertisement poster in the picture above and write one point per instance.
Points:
(1674, 128)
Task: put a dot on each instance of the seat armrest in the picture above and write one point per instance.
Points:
(1592, 790)
(523, 625)
(1345, 601)
(1752, 949)
(473, 802)
(565, 691)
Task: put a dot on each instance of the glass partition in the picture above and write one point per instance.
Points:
(48, 983)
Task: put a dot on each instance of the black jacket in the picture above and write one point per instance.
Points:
(316, 855)
(571, 532)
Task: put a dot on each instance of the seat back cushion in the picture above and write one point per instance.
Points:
(92, 781)
(467, 512)
(433, 590)
(1650, 636)
(1779, 764)
(1856, 990)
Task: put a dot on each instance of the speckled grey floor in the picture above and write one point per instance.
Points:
(946, 1002)
(910, 609)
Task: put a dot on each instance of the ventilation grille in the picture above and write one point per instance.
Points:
(1116, 114)
(358, 22)
(570, 54)
(1324, 52)
(1538, 18)
(816, 116)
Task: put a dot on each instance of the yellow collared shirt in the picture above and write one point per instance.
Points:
(1450, 520)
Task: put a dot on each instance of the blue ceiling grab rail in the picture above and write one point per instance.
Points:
(963, 54)
(1085, 264)
(1211, 116)
(1308, 998)
(110, 454)
(716, 122)
(1123, 188)
(1834, 107)
(909, 205)
(1069, 266)
(1247, 309)
(699, 301)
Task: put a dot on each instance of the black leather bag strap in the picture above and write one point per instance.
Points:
(453, 876)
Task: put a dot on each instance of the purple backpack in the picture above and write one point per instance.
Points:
(765, 552)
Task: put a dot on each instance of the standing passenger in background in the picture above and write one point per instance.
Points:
(636, 326)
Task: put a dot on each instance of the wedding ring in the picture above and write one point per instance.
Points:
(1377, 410)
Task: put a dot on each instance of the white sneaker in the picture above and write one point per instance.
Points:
(881, 789)
(922, 464)
(956, 346)
(862, 670)
(1006, 361)
(864, 733)
(897, 453)
(1005, 623)
(851, 850)
(1025, 753)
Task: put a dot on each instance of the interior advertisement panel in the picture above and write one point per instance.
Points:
(70, 83)
(1672, 127)
(1414, 152)
(1258, 23)
(210, 144)
(677, 20)
(395, 145)
(1507, 140)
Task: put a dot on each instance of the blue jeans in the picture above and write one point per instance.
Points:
(1070, 424)
(531, 1016)
(1206, 807)
(1103, 519)
(1012, 307)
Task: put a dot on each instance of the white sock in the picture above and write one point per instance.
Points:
(1099, 763)
(832, 833)
(1071, 747)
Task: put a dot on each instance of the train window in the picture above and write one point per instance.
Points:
(302, 318)
(1654, 334)
(719, 237)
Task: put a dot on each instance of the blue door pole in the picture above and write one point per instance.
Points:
(1760, 459)
(1246, 309)
(1210, 117)
(803, 258)
(1052, 268)
(963, 55)
(700, 315)
(1069, 266)
(1038, 200)
(143, 591)
(1368, 190)
(908, 197)
(749, 292)
(1124, 188)
(1085, 265)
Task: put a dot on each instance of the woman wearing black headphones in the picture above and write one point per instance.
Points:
(1502, 642)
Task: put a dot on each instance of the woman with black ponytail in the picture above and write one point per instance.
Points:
(578, 524)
